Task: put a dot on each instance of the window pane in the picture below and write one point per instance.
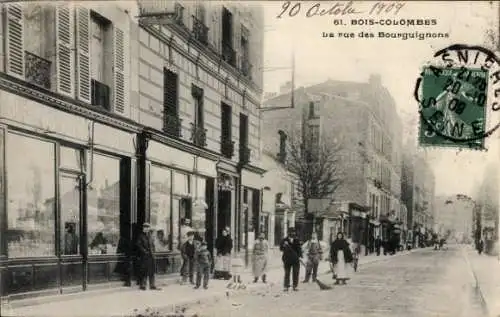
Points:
(70, 158)
(103, 208)
(31, 202)
(160, 194)
(70, 214)
(198, 209)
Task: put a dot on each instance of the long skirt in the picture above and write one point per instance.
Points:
(222, 266)
(259, 265)
(342, 268)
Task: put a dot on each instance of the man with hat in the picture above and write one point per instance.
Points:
(292, 252)
(146, 250)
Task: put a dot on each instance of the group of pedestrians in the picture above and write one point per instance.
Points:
(341, 257)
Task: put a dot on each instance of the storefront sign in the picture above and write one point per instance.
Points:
(250, 179)
(206, 167)
(108, 137)
(170, 156)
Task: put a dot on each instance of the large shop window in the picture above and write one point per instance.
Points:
(160, 194)
(31, 190)
(181, 205)
(103, 206)
(198, 210)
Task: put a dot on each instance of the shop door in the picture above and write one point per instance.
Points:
(72, 244)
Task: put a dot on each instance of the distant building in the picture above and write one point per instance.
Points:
(362, 117)
(487, 199)
(418, 190)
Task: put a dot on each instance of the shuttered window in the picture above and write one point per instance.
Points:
(83, 54)
(226, 121)
(15, 39)
(64, 45)
(119, 91)
(170, 93)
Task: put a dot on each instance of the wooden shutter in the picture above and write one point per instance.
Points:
(64, 47)
(83, 87)
(15, 40)
(170, 84)
(119, 90)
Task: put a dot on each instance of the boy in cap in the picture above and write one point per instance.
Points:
(187, 253)
(203, 263)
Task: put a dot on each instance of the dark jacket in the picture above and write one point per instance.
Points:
(337, 245)
(145, 246)
(188, 250)
(291, 253)
(224, 245)
(203, 258)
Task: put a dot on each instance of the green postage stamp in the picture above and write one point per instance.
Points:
(455, 95)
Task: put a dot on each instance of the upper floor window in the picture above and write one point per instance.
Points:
(228, 53)
(246, 65)
(227, 145)
(244, 150)
(200, 29)
(99, 49)
(171, 120)
(198, 135)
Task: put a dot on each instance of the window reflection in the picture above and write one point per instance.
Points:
(31, 188)
(160, 209)
(70, 158)
(103, 208)
(199, 203)
(181, 205)
(70, 214)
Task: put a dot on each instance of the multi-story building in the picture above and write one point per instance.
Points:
(487, 199)
(108, 122)
(418, 191)
(362, 118)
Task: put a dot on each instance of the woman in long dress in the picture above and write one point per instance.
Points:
(260, 255)
(224, 246)
(341, 257)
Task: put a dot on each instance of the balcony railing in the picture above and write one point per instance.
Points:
(246, 68)
(228, 54)
(37, 70)
(172, 125)
(227, 147)
(244, 155)
(200, 31)
(198, 135)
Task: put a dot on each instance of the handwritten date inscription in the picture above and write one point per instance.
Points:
(338, 8)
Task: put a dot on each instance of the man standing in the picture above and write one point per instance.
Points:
(187, 253)
(378, 244)
(292, 252)
(146, 249)
(314, 254)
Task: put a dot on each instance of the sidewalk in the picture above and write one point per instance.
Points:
(486, 271)
(124, 301)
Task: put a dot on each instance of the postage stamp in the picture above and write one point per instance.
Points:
(455, 93)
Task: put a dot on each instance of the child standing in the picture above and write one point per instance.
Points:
(237, 266)
(203, 264)
(187, 253)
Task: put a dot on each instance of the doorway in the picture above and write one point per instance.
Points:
(72, 245)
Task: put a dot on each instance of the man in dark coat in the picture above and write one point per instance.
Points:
(145, 252)
(378, 245)
(292, 253)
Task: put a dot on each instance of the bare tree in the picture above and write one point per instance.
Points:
(315, 162)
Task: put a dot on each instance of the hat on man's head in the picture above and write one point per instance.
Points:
(146, 225)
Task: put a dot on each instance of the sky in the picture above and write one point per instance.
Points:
(398, 61)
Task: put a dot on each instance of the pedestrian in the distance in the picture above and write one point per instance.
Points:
(237, 267)
(146, 250)
(292, 253)
(480, 246)
(187, 253)
(378, 245)
(260, 257)
(314, 253)
(340, 256)
(203, 261)
(224, 246)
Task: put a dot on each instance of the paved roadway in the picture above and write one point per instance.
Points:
(427, 283)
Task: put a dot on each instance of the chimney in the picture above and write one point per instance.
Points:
(375, 80)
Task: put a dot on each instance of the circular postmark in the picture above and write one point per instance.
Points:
(456, 93)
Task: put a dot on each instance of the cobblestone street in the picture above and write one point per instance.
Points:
(427, 283)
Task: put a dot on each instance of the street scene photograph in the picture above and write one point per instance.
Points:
(192, 158)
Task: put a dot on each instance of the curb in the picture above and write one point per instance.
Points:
(477, 285)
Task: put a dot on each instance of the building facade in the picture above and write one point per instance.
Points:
(418, 191)
(362, 118)
(109, 122)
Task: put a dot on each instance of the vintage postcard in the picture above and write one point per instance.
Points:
(164, 158)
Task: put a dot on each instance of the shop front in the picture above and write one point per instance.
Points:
(68, 203)
(226, 204)
(179, 186)
(358, 224)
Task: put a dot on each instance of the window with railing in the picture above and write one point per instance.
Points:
(228, 52)
(244, 151)
(172, 124)
(100, 94)
(246, 65)
(200, 29)
(198, 131)
(227, 144)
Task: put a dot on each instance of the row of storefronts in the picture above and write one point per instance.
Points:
(76, 182)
